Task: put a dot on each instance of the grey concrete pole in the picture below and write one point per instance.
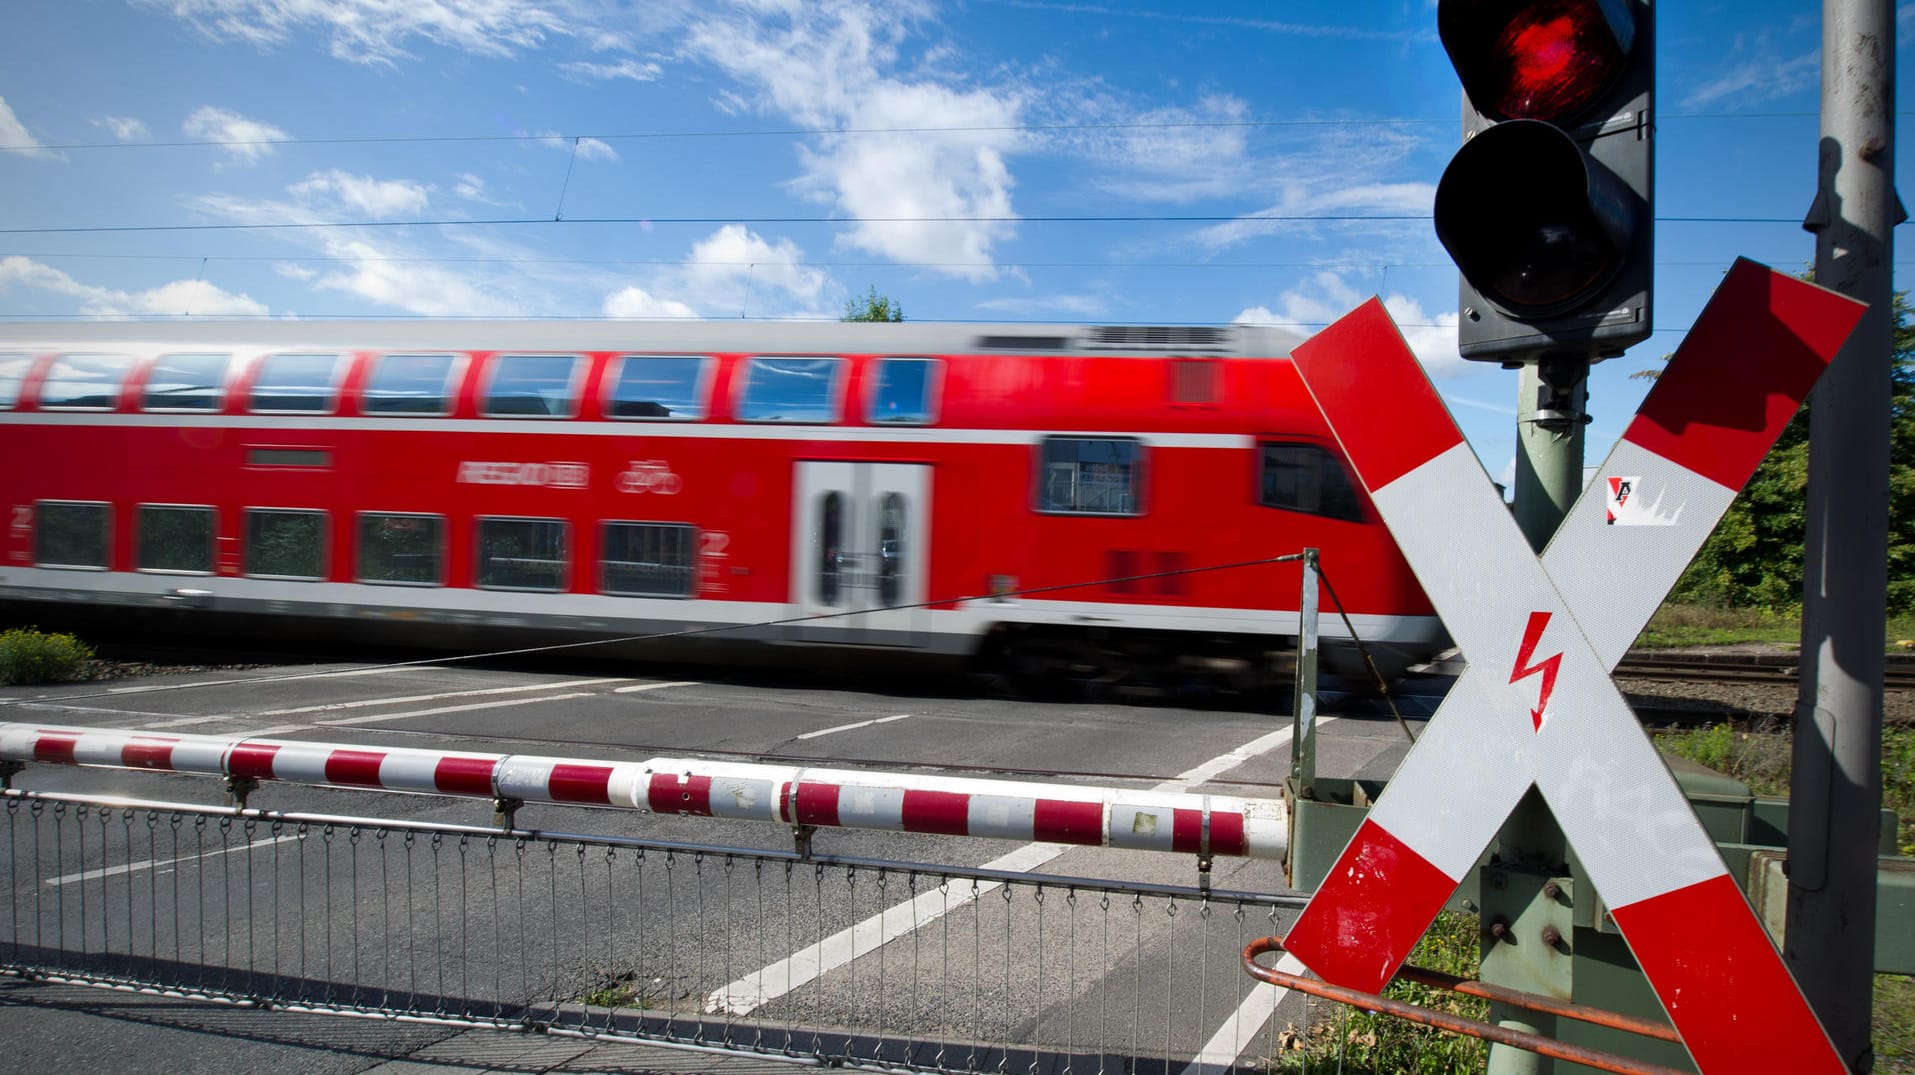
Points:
(1836, 792)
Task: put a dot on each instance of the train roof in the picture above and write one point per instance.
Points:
(761, 337)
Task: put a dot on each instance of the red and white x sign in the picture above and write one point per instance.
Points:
(1536, 705)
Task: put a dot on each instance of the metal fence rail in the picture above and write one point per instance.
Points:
(834, 960)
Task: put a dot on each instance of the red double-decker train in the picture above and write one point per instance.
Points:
(1056, 502)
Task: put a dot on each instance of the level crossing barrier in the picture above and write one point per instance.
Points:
(824, 959)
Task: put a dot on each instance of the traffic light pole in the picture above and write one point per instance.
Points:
(1531, 853)
(1836, 785)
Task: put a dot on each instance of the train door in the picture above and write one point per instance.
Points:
(860, 553)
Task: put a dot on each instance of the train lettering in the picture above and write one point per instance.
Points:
(650, 476)
(549, 475)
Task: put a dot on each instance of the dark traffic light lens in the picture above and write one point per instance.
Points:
(1531, 222)
(1545, 60)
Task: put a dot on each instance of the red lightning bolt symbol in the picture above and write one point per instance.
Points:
(1547, 666)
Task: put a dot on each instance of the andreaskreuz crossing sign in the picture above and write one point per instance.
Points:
(1536, 705)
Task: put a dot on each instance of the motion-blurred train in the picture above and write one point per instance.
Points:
(1057, 503)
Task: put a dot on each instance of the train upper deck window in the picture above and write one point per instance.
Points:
(13, 370)
(67, 534)
(522, 554)
(296, 384)
(904, 391)
(786, 388)
(175, 538)
(532, 386)
(401, 549)
(410, 384)
(285, 544)
(1091, 476)
(186, 383)
(657, 386)
(648, 559)
(85, 382)
(1307, 478)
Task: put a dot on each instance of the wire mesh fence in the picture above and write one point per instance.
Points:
(845, 961)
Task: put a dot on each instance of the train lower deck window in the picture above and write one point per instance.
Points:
(1307, 478)
(657, 386)
(285, 544)
(67, 534)
(186, 383)
(410, 384)
(522, 554)
(904, 391)
(401, 549)
(532, 386)
(85, 382)
(296, 384)
(174, 538)
(648, 559)
(13, 370)
(1090, 476)
(782, 388)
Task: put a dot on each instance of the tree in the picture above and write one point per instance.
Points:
(1754, 558)
(872, 306)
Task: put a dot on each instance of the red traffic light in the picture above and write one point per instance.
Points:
(1530, 222)
(1548, 60)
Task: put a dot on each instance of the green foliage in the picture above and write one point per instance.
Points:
(29, 655)
(1362, 1043)
(1754, 558)
(872, 306)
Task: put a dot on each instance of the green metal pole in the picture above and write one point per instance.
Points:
(1531, 853)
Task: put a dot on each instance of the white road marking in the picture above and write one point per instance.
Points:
(149, 687)
(375, 718)
(1220, 1053)
(853, 727)
(153, 864)
(182, 722)
(654, 686)
(762, 987)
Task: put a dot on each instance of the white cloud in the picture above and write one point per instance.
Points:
(735, 261)
(381, 31)
(15, 138)
(176, 298)
(635, 302)
(634, 70)
(378, 274)
(585, 149)
(247, 139)
(825, 65)
(1325, 297)
(1084, 306)
(123, 128)
(1754, 74)
(363, 194)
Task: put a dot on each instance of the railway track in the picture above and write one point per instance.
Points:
(1775, 669)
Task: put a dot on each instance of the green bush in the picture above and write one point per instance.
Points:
(30, 655)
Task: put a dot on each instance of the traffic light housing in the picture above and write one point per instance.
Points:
(1548, 209)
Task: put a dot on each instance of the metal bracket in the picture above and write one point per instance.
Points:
(801, 840)
(7, 771)
(505, 812)
(238, 788)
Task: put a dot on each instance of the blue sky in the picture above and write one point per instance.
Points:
(752, 157)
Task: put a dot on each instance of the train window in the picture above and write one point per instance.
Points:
(903, 392)
(67, 534)
(1307, 478)
(532, 386)
(285, 544)
(657, 386)
(830, 547)
(648, 559)
(296, 384)
(404, 549)
(85, 382)
(186, 383)
(1091, 476)
(13, 370)
(410, 384)
(791, 389)
(522, 554)
(175, 538)
(891, 550)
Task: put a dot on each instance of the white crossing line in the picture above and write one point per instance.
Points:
(153, 864)
(375, 718)
(762, 987)
(340, 674)
(853, 727)
(182, 722)
(1220, 1053)
(655, 686)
